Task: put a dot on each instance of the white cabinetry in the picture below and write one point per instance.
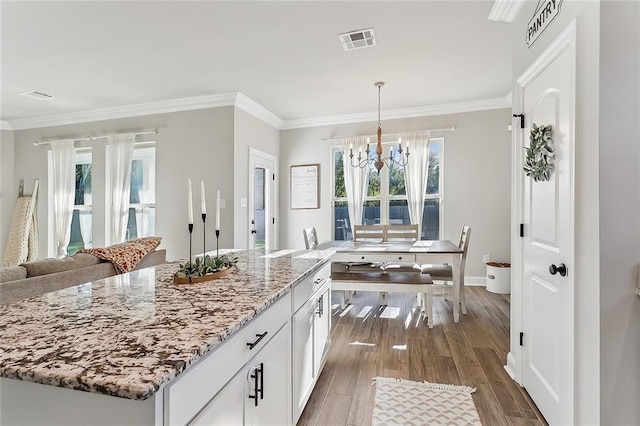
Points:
(322, 329)
(217, 375)
(311, 327)
(258, 394)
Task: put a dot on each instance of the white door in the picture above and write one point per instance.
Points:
(303, 352)
(272, 408)
(262, 199)
(547, 94)
(322, 330)
(226, 408)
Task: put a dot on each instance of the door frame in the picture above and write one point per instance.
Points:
(271, 202)
(515, 365)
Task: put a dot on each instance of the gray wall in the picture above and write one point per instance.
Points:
(249, 131)
(8, 190)
(619, 212)
(190, 144)
(476, 178)
(587, 252)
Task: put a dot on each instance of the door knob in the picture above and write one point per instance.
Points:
(561, 268)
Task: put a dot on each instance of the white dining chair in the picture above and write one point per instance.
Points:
(444, 274)
(310, 238)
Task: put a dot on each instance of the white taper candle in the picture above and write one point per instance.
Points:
(204, 203)
(190, 204)
(218, 211)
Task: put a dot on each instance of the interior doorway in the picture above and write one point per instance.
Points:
(262, 200)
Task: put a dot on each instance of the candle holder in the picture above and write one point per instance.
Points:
(190, 246)
(217, 243)
(204, 235)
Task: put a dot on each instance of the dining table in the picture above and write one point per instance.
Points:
(421, 252)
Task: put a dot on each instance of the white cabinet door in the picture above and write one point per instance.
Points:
(303, 352)
(226, 408)
(270, 370)
(322, 330)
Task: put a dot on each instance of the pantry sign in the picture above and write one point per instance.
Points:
(546, 11)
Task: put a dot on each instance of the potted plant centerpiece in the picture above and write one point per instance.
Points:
(205, 269)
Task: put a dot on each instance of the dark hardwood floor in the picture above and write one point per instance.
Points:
(394, 342)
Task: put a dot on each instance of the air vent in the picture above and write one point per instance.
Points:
(358, 39)
(37, 95)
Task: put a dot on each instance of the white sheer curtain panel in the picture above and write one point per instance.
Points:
(120, 157)
(63, 153)
(415, 174)
(356, 179)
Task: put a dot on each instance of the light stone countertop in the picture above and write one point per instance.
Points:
(131, 334)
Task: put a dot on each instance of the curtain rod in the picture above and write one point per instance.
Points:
(94, 137)
(446, 129)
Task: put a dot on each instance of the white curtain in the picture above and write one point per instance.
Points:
(356, 180)
(415, 173)
(120, 157)
(64, 190)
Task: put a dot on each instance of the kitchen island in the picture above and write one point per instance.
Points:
(139, 349)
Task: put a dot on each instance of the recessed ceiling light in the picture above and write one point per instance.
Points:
(37, 95)
(358, 39)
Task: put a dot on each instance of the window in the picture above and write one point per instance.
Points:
(386, 200)
(81, 222)
(85, 228)
(142, 199)
(432, 212)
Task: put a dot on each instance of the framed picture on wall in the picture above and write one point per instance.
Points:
(305, 186)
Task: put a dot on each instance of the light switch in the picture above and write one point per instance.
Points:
(243, 202)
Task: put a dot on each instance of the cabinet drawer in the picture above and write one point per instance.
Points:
(378, 257)
(305, 289)
(202, 381)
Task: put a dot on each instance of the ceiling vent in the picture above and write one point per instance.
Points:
(358, 39)
(37, 95)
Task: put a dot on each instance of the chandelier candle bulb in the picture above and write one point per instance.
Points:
(204, 203)
(190, 204)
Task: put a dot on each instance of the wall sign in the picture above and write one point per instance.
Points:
(305, 186)
(546, 11)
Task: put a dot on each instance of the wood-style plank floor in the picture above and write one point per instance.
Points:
(394, 342)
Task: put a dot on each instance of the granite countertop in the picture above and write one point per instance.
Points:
(131, 334)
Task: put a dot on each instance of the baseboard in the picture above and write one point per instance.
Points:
(475, 281)
(510, 368)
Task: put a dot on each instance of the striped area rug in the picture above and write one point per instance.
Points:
(403, 402)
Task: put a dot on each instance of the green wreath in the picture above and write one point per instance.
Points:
(539, 154)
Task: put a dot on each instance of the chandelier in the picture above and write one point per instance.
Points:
(379, 161)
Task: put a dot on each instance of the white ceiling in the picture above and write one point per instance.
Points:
(285, 56)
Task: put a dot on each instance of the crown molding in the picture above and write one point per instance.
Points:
(136, 110)
(505, 10)
(250, 106)
(453, 108)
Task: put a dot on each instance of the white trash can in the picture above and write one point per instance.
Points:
(499, 277)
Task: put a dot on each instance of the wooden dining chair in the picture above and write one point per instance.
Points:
(401, 233)
(444, 273)
(368, 232)
(310, 238)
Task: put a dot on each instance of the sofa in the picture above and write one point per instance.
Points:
(44, 276)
